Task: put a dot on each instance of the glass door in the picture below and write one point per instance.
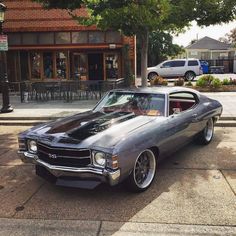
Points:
(112, 65)
(80, 66)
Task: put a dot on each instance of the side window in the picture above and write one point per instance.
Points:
(166, 64)
(193, 63)
(181, 101)
(177, 63)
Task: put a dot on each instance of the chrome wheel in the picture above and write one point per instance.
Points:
(209, 130)
(152, 76)
(206, 135)
(144, 169)
(189, 76)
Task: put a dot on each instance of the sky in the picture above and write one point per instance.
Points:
(214, 31)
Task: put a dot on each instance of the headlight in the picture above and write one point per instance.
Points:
(32, 146)
(99, 159)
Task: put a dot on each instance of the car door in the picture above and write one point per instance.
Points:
(165, 69)
(178, 67)
(182, 124)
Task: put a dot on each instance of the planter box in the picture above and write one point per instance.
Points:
(223, 88)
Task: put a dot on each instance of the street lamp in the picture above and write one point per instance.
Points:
(6, 107)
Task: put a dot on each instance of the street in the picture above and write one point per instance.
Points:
(194, 192)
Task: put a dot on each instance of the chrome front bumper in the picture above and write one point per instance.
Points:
(112, 177)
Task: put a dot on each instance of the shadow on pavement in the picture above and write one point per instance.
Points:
(184, 190)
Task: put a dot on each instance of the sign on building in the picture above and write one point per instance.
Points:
(3, 43)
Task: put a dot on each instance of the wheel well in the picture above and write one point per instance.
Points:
(155, 150)
(215, 119)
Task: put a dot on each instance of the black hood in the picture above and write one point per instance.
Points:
(92, 128)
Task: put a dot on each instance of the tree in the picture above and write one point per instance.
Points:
(141, 17)
(161, 47)
(229, 37)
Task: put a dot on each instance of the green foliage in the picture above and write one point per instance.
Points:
(161, 47)
(189, 83)
(179, 82)
(209, 81)
(202, 83)
(158, 80)
(226, 82)
(205, 81)
(216, 83)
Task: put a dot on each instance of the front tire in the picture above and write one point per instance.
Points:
(206, 135)
(143, 172)
(189, 76)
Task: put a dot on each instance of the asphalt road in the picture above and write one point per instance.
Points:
(194, 193)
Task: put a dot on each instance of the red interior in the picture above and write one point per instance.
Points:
(182, 105)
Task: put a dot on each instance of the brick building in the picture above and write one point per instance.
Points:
(49, 44)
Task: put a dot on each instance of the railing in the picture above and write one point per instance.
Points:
(64, 90)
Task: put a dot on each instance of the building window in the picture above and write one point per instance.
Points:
(61, 65)
(96, 37)
(112, 65)
(62, 38)
(79, 37)
(29, 38)
(48, 64)
(46, 38)
(35, 65)
(14, 39)
(113, 37)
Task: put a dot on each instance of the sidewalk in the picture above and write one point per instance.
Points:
(15, 227)
(37, 112)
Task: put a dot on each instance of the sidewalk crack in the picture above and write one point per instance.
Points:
(227, 182)
(99, 228)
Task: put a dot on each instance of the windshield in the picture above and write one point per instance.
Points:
(138, 103)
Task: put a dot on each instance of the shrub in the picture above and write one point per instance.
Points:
(226, 82)
(201, 83)
(189, 83)
(205, 81)
(232, 81)
(158, 80)
(179, 82)
(208, 79)
(216, 83)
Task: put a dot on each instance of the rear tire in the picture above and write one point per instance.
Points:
(206, 135)
(143, 172)
(189, 76)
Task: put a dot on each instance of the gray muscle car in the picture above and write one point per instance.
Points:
(121, 139)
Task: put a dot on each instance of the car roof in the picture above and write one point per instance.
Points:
(183, 59)
(158, 89)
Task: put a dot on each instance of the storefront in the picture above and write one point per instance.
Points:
(49, 45)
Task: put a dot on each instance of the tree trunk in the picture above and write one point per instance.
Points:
(144, 58)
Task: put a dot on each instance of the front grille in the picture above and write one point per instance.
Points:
(64, 157)
(22, 144)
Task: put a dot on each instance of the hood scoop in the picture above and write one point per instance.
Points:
(99, 125)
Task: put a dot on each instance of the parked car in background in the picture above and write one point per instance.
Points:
(122, 139)
(186, 68)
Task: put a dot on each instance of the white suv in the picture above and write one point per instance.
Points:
(187, 68)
